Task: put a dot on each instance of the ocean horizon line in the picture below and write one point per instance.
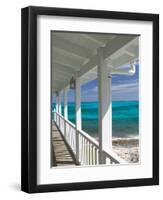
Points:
(98, 101)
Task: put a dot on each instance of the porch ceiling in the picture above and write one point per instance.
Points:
(75, 54)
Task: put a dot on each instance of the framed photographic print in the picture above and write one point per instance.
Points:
(90, 99)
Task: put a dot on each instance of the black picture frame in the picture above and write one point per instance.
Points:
(29, 99)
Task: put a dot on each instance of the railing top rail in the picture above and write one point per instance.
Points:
(70, 123)
(59, 114)
(114, 157)
(89, 138)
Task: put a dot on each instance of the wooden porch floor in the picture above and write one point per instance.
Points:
(62, 155)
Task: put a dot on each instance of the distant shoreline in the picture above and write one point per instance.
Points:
(126, 142)
(123, 141)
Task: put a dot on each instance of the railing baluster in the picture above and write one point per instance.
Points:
(82, 150)
(85, 161)
(95, 156)
(85, 151)
(80, 146)
(65, 128)
(89, 153)
(72, 136)
(92, 154)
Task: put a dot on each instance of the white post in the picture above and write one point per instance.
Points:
(53, 111)
(65, 109)
(105, 106)
(78, 114)
(57, 107)
(65, 104)
(59, 103)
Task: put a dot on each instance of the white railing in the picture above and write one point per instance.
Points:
(85, 148)
(67, 129)
(88, 149)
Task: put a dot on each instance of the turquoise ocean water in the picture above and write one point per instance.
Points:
(125, 115)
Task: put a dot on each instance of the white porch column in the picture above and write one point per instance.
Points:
(59, 103)
(57, 108)
(65, 103)
(77, 103)
(105, 106)
(65, 110)
(53, 110)
(78, 113)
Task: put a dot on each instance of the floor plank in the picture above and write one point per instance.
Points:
(62, 155)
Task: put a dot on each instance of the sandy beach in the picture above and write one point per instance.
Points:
(127, 149)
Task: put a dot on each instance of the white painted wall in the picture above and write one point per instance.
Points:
(10, 100)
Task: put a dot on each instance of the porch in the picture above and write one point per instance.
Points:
(76, 59)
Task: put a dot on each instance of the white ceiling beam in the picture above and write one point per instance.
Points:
(115, 46)
(61, 77)
(65, 73)
(64, 68)
(67, 62)
(133, 49)
(61, 43)
(57, 83)
(85, 80)
(103, 38)
(93, 39)
(122, 60)
(100, 39)
(128, 49)
(91, 76)
(67, 59)
(88, 66)
(129, 53)
(59, 87)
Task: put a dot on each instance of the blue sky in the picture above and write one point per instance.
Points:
(124, 88)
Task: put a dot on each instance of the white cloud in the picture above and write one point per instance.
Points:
(126, 87)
